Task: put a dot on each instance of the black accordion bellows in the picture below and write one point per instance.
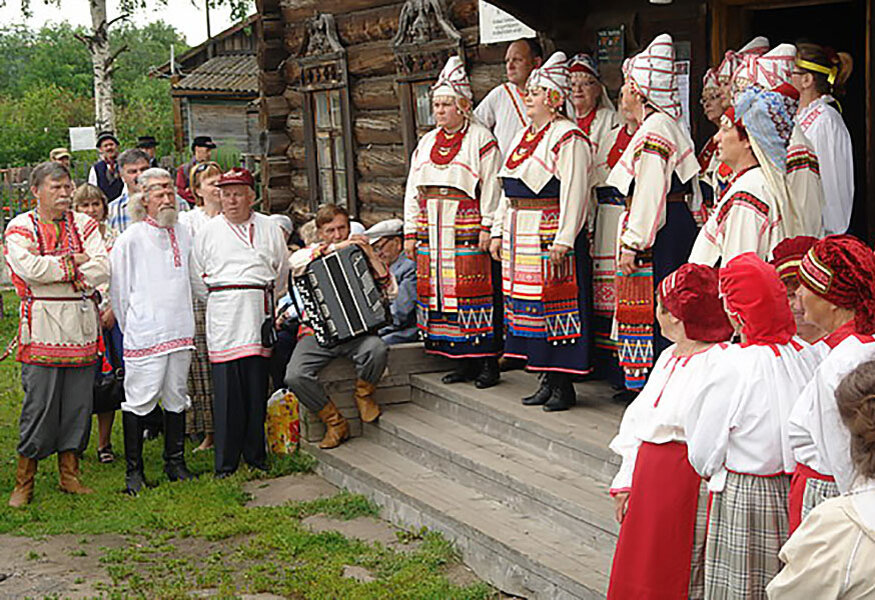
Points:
(341, 300)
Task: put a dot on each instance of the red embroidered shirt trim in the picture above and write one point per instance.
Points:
(174, 244)
(527, 145)
(447, 145)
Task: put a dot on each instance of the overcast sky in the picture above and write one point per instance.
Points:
(187, 17)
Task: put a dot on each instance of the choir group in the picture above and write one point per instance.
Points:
(718, 289)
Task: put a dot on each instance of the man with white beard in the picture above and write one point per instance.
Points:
(151, 298)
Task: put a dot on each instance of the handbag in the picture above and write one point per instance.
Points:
(109, 388)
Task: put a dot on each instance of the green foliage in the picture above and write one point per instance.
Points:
(46, 86)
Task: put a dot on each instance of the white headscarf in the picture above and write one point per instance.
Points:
(552, 75)
(732, 59)
(453, 81)
(653, 73)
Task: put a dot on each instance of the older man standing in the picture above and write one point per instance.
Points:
(239, 267)
(151, 298)
(503, 110)
(57, 259)
(105, 172)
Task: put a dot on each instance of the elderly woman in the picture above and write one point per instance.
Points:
(832, 553)
(451, 197)
(712, 106)
(90, 200)
(655, 174)
(199, 418)
(836, 292)
(538, 235)
(656, 491)
(738, 441)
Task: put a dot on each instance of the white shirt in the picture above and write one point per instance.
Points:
(747, 219)
(739, 422)
(151, 289)
(658, 413)
(194, 219)
(818, 437)
(824, 127)
(253, 253)
(503, 112)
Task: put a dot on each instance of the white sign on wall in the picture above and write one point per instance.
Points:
(682, 69)
(82, 138)
(498, 26)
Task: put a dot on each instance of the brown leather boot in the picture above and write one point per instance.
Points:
(68, 469)
(336, 427)
(24, 475)
(364, 400)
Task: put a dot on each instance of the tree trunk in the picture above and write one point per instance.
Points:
(101, 60)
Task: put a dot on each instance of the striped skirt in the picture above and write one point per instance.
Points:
(199, 418)
(747, 526)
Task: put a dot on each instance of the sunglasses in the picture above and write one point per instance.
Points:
(201, 167)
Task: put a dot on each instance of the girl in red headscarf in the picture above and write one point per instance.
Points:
(836, 278)
(660, 550)
(736, 432)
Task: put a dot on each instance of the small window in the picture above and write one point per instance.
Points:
(422, 106)
(330, 156)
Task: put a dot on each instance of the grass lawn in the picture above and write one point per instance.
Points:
(177, 538)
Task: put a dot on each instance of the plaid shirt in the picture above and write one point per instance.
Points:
(118, 218)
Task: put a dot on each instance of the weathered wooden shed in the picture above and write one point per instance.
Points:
(345, 87)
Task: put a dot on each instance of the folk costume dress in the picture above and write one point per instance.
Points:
(737, 434)
(234, 269)
(839, 269)
(605, 134)
(58, 327)
(545, 182)
(660, 551)
(655, 174)
(451, 197)
(707, 157)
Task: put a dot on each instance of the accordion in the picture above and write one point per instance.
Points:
(341, 301)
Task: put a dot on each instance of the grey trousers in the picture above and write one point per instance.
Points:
(369, 355)
(56, 412)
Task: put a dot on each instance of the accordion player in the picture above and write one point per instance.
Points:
(340, 298)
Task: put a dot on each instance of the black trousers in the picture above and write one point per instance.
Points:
(239, 408)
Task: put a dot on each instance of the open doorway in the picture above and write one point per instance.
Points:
(842, 26)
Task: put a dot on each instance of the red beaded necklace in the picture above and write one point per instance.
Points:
(527, 145)
(447, 145)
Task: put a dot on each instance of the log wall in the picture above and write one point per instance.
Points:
(365, 28)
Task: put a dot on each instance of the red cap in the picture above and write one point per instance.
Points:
(787, 255)
(690, 294)
(757, 299)
(236, 176)
(840, 269)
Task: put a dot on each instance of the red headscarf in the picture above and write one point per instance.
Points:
(787, 255)
(757, 299)
(841, 270)
(690, 294)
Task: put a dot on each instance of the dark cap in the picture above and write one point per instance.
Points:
(146, 141)
(106, 135)
(236, 176)
(203, 141)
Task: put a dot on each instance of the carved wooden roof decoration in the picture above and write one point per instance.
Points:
(425, 40)
(322, 57)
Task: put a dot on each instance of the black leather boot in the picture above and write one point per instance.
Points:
(174, 447)
(542, 394)
(563, 395)
(465, 370)
(489, 373)
(133, 436)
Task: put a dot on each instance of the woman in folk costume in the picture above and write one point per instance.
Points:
(752, 140)
(802, 201)
(538, 235)
(594, 113)
(660, 551)
(721, 173)
(655, 174)
(786, 258)
(451, 197)
(737, 432)
(830, 557)
(836, 291)
(821, 74)
(713, 107)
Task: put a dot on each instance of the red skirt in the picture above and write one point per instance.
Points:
(797, 491)
(654, 551)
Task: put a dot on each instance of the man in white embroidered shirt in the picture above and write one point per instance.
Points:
(239, 268)
(151, 298)
(503, 110)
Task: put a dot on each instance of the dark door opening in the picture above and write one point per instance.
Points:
(841, 26)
